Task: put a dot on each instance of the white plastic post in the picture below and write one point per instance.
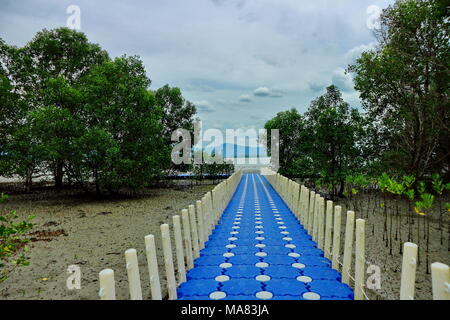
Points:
(218, 202)
(348, 247)
(288, 192)
(305, 208)
(295, 198)
(408, 276)
(321, 224)
(213, 208)
(134, 280)
(281, 186)
(195, 241)
(219, 199)
(210, 212)
(214, 200)
(293, 195)
(223, 198)
(328, 229)
(440, 275)
(201, 224)
(312, 201)
(288, 183)
(207, 216)
(294, 191)
(107, 285)
(316, 217)
(187, 239)
(179, 249)
(168, 262)
(152, 261)
(337, 237)
(299, 203)
(360, 259)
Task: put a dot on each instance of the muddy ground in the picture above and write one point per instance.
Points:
(71, 228)
(389, 261)
(92, 234)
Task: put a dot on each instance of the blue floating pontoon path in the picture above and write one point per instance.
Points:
(259, 250)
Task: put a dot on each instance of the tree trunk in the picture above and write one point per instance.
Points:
(97, 185)
(28, 183)
(59, 173)
(341, 189)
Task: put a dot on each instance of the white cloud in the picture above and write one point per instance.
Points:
(317, 86)
(285, 48)
(237, 3)
(342, 80)
(245, 98)
(266, 92)
(356, 52)
(352, 98)
(262, 92)
(203, 105)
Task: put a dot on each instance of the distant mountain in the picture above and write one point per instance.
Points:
(226, 150)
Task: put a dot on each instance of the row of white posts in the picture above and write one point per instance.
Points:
(325, 229)
(191, 231)
(317, 218)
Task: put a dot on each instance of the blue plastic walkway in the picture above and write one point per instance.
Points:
(259, 250)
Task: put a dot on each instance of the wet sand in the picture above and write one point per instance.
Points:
(94, 234)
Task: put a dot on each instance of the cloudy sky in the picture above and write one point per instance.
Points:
(239, 61)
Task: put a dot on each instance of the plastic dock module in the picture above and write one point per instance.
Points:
(259, 250)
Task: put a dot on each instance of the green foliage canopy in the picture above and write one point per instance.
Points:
(404, 85)
(68, 110)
